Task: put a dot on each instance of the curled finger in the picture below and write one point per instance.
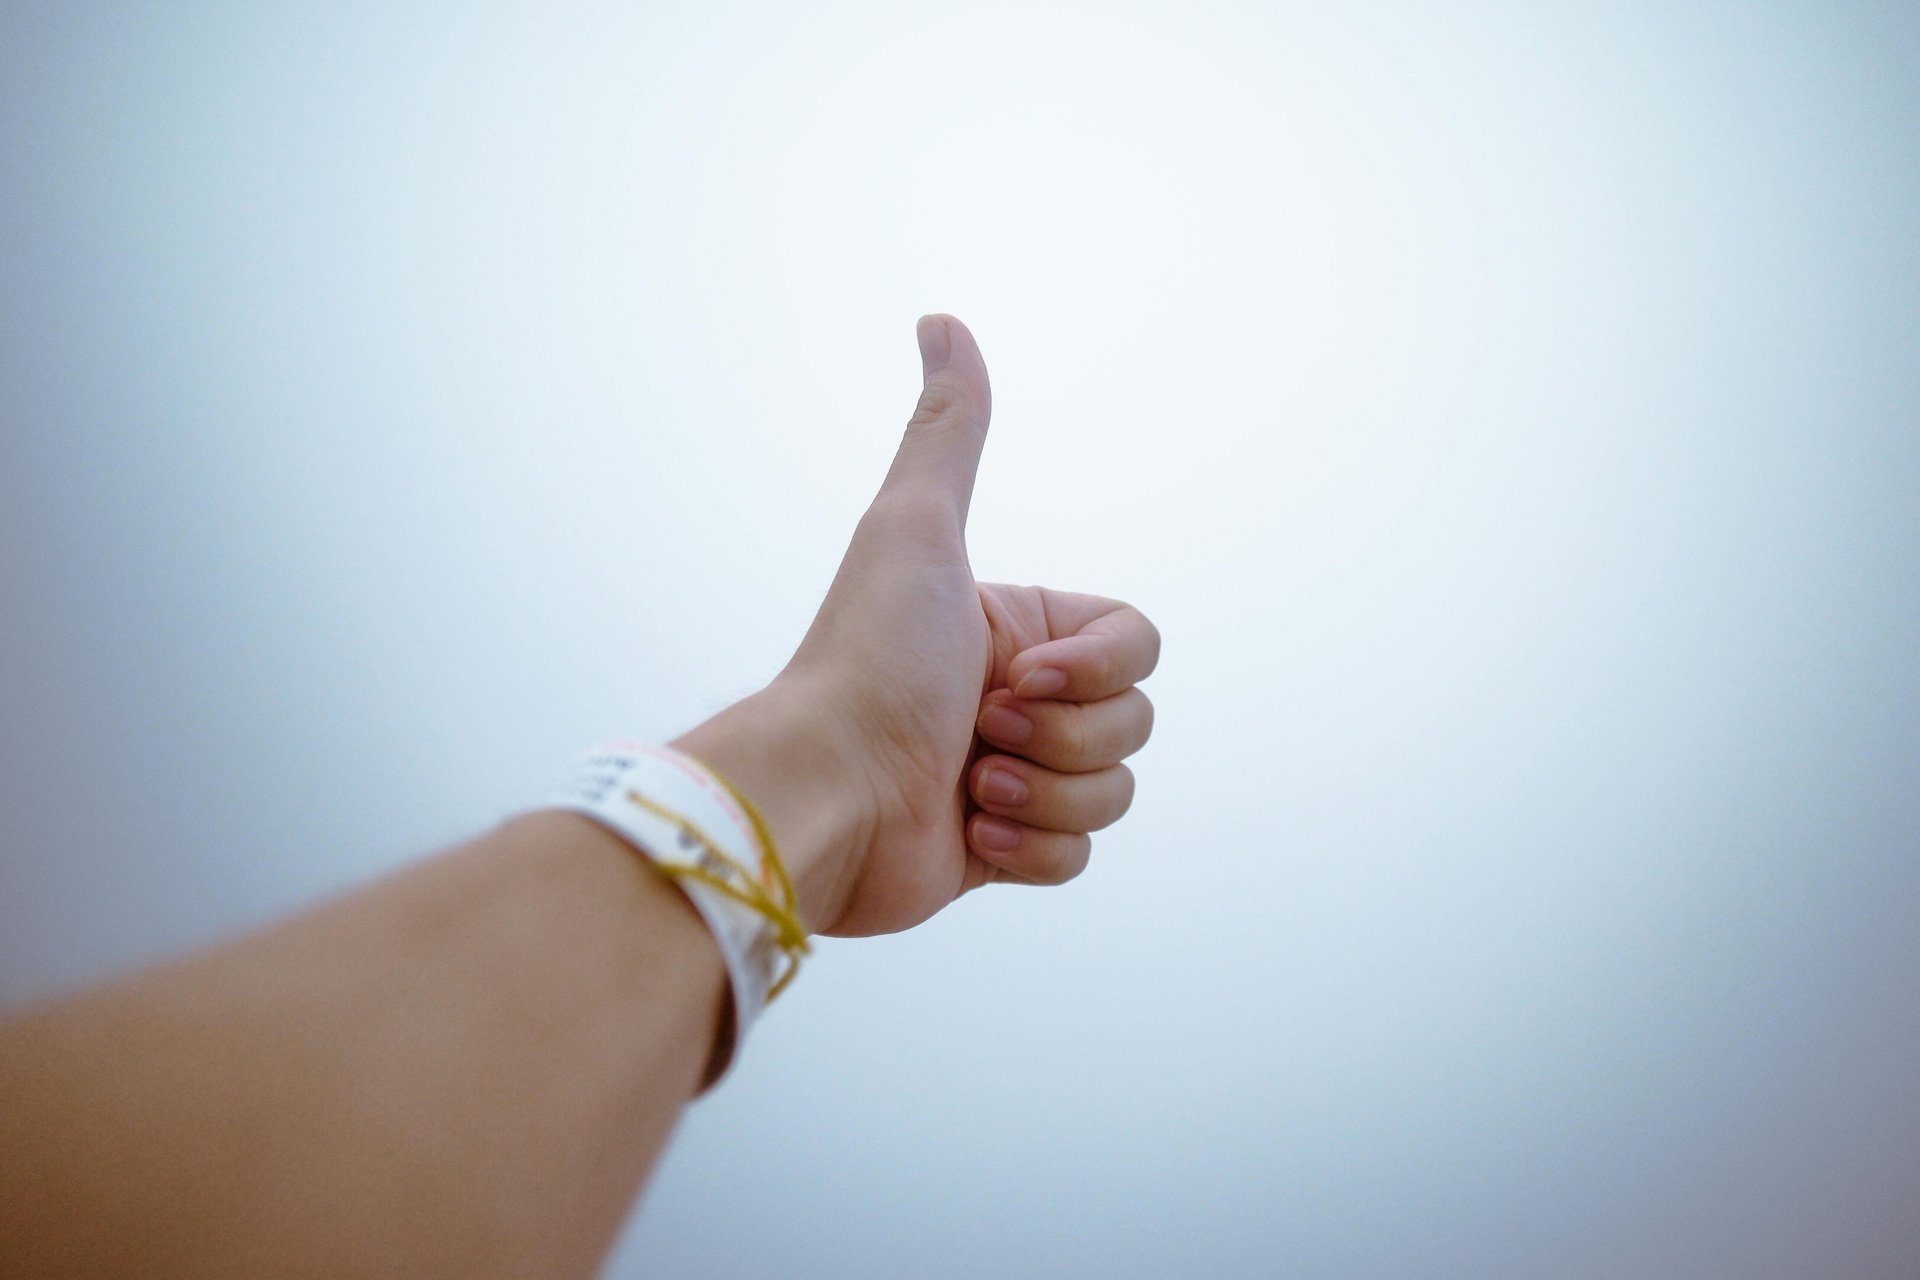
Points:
(1027, 793)
(1104, 656)
(1071, 737)
(1028, 855)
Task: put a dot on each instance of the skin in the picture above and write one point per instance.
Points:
(470, 1067)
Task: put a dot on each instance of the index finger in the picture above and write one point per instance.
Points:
(1108, 654)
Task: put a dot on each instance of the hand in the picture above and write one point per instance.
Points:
(909, 659)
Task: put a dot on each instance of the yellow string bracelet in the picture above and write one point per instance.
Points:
(713, 842)
(739, 883)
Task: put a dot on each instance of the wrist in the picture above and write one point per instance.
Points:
(783, 749)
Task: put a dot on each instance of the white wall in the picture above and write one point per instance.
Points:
(1508, 412)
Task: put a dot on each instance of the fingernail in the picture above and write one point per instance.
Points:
(1007, 726)
(1042, 682)
(1002, 788)
(936, 348)
(996, 834)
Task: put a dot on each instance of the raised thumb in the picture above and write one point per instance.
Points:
(941, 449)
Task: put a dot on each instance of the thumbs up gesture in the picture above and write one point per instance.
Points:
(933, 734)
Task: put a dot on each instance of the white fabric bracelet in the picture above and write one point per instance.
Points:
(670, 807)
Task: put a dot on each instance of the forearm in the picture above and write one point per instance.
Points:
(463, 1070)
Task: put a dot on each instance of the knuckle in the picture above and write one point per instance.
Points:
(1066, 859)
(943, 409)
(1070, 736)
(937, 403)
(1145, 727)
(911, 516)
(1082, 854)
(1122, 793)
(1095, 802)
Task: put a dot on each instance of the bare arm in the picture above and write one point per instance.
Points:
(470, 1067)
(465, 1069)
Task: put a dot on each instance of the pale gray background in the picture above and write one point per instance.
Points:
(1509, 412)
